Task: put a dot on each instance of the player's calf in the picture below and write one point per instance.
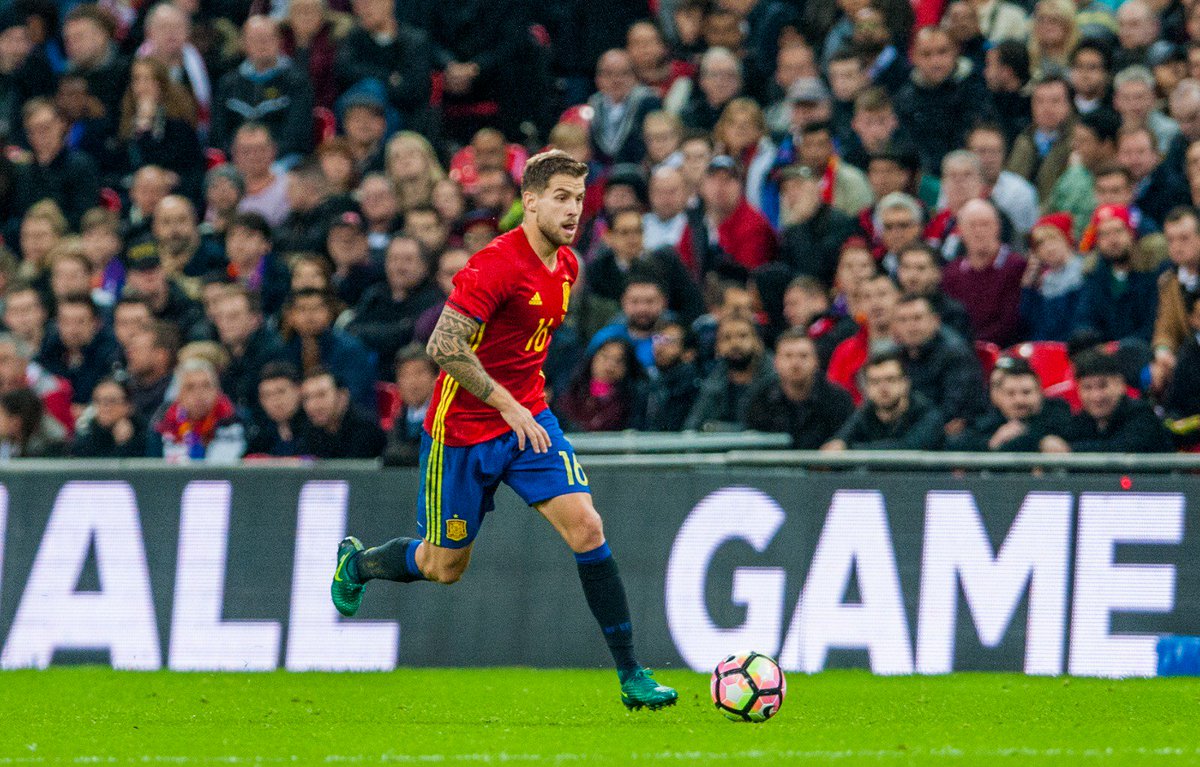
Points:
(443, 565)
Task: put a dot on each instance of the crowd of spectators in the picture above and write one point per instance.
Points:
(229, 227)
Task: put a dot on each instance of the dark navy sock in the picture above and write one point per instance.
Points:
(395, 560)
(606, 597)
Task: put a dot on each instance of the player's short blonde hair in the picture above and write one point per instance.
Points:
(544, 166)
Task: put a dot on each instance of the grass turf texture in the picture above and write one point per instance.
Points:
(64, 715)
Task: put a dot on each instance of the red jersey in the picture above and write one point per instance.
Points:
(519, 303)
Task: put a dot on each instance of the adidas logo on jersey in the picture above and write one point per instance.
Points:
(536, 300)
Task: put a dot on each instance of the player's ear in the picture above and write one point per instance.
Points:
(529, 200)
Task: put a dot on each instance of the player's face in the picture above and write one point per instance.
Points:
(558, 208)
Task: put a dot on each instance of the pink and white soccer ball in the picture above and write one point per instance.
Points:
(748, 687)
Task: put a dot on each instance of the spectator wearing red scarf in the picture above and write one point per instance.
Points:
(201, 424)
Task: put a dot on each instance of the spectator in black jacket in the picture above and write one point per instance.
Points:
(807, 306)
(251, 344)
(347, 247)
(1181, 399)
(623, 258)
(741, 362)
(416, 374)
(389, 58)
(892, 416)
(79, 348)
(1020, 415)
(266, 88)
(386, 316)
(919, 271)
(167, 301)
(813, 231)
(280, 425)
(799, 401)
(181, 246)
(671, 392)
(88, 39)
(25, 72)
(252, 262)
(938, 363)
(1110, 421)
(338, 428)
(942, 100)
(53, 171)
(114, 429)
(158, 126)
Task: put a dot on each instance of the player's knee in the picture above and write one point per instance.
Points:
(587, 534)
(447, 572)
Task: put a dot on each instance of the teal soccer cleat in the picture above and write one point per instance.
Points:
(640, 689)
(347, 595)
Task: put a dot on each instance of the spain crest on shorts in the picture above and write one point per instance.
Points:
(456, 529)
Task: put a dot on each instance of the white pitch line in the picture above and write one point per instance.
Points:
(946, 752)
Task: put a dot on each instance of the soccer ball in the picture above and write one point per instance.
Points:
(748, 687)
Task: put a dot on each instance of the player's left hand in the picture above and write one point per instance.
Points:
(527, 429)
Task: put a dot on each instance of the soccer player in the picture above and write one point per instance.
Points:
(488, 422)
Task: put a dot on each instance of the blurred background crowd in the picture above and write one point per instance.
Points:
(229, 227)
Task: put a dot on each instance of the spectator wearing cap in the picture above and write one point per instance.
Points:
(387, 57)
(1020, 416)
(744, 238)
(1135, 97)
(249, 342)
(364, 121)
(165, 298)
(1094, 145)
(311, 341)
(1053, 280)
(91, 53)
(1119, 299)
(1007, 76)
(385, 316)
(253, 264)
(620, 106)
(986, 279)
(266, 89)
(1042, 152)
(1157, 188)
(941, 100)
(202, 424)
(254, 155)
(1012, 194)
(813, 231)
(1178, 289)
(25, 72)
(625, 256)
(54, 172)
(719, 81)
(892, 416)
(1110, 421)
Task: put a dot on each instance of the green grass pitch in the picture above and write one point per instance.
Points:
(518, 716)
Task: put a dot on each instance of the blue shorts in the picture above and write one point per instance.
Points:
(458, 484)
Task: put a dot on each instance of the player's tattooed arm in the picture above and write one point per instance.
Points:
(450, 348)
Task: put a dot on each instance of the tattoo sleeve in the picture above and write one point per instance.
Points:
(450, 348)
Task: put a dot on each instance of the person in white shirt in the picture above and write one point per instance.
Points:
(665, 222)
(1011, 193)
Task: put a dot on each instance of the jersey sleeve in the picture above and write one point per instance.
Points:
(480, 287)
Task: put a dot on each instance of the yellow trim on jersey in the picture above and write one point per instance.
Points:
(433, 473)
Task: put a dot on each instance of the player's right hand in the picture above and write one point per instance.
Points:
(527, 429)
